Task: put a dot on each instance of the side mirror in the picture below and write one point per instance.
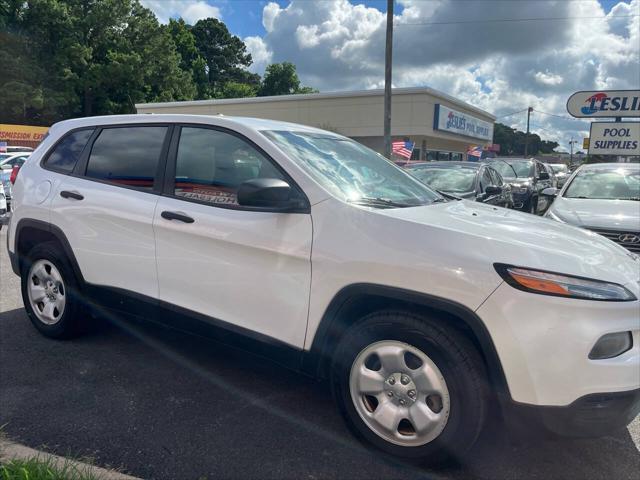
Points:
(543, 176)
(493, 190)
(550, 192)
(267, 193)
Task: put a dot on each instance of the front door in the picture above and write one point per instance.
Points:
(250, 269)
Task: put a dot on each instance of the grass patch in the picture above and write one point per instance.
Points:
(43, 469)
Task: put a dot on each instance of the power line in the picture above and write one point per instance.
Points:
(513, 113)
(559, 116)
(514, 20)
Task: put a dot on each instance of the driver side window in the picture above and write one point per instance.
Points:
(211, 165)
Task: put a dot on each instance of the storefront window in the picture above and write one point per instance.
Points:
(415, 155)
(456, 157)
(443, 156)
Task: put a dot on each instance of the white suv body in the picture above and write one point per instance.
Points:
(3, 202)
(305, 284)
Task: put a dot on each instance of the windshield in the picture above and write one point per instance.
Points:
(559, 167)
(620, 184)
(523, 168)
(458, 179)
(351, 171)
(504, 169)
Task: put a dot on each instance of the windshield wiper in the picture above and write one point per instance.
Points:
(446, 195)
(380, 202)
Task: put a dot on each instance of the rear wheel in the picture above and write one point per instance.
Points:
(50, 293)
(410, 386)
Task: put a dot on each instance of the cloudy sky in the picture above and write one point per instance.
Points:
(500, 55)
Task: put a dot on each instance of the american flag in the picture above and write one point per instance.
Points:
(474, 151)
(402, 148)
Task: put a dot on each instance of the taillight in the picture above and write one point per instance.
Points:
(14, 174)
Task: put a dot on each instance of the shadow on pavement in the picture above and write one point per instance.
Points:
(164, 404)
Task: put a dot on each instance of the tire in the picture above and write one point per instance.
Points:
(460, 408)
(533, 206)
(47, 279)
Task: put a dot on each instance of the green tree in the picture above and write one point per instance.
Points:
(237, 90)
(85, 57)
(225, 54)
(190, 59)
(282, 79)
(512, 141)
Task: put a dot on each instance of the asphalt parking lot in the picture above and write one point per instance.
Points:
(163, 405)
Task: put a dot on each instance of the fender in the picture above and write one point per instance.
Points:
(330, 328)
(53, 231)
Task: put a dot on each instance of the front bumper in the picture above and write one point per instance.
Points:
(521, 200)
(593, 415)
(543, 344)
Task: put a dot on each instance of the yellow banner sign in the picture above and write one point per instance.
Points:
(25, 133)
(585, 143)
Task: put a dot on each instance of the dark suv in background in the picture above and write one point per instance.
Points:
(528, 178)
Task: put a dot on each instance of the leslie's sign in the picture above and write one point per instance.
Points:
(605, 103)
(453, 121)
(614, 138)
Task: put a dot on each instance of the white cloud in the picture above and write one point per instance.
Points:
(499, 66)
(547, 78)
(260, 54)
(190, 10)
(269, 14)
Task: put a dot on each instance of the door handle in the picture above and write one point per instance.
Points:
(176, 216)
(74, 195)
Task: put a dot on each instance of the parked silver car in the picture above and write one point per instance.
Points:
(604, 198)
(561, 172)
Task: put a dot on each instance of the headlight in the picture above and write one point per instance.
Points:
(555, 284)
(555, 217)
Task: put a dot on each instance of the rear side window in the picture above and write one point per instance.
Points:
(66, 153)
(127, 156)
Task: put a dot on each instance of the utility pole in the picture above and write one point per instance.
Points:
(526, 137)
(388, 54)
(571, 150)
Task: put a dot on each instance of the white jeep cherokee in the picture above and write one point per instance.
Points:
(421, 310)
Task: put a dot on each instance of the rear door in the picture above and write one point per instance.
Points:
(105, 203)
(248, 268)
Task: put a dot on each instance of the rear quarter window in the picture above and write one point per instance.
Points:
(66, 153)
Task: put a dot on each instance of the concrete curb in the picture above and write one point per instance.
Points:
(14, 451)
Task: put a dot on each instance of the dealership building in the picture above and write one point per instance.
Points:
(440, 126)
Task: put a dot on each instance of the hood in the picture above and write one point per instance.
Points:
(498, 235)
(610, 214)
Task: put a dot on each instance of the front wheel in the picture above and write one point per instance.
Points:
(410, 386)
